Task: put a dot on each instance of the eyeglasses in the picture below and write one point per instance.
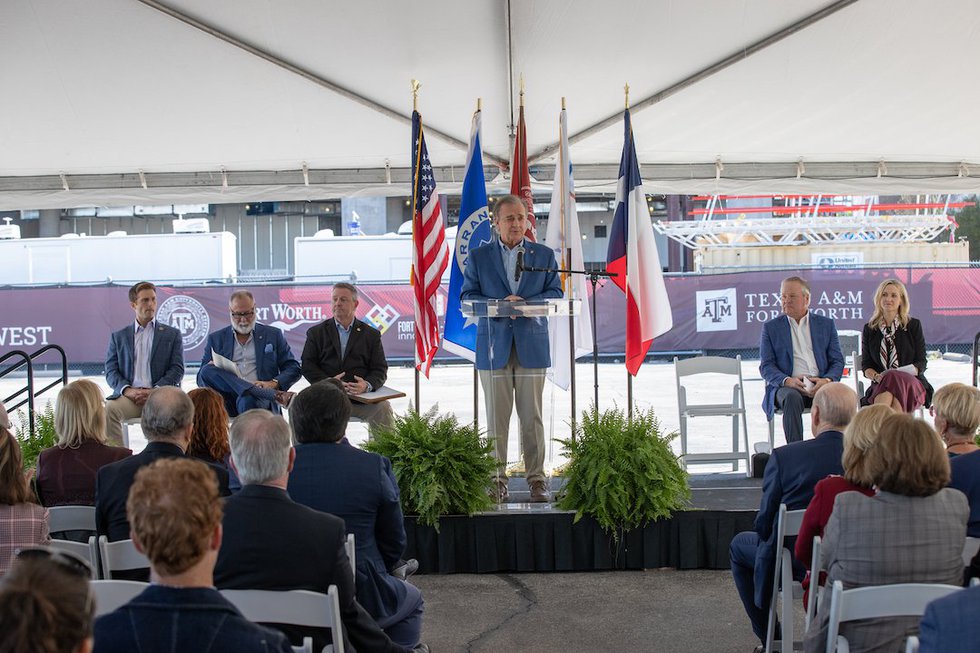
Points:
(243, 314)
(65, 559)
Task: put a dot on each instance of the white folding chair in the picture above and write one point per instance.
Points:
(120, 556)
(772, 426)
(787, 525)
(126, 423)
(735, 409)
(110, 595)
(816, 590)
(86, 550)
(970, 548)
(307, 646)
(858, 372)
(351, 555)
(296, 608)
(912, 644)
(71, 518)
(901, 600)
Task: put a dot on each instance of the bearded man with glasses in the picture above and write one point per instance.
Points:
(264, 365)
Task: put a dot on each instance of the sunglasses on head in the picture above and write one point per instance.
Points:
(65, 559)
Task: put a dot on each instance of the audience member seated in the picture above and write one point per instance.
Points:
(858, 436)
(273, 543)
(791, 474)
(332, 476)
(892, 339)
(911, 531)
(168, 417)
(5, 418)
(176, 518)
(952, 624)
(209, 438)
(45, 604)
(65, 474)
(23, 523)
(956, 408)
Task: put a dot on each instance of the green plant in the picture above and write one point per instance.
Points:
(44, 436)
(442, 467)
(622, 472)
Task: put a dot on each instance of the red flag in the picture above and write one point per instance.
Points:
(520, 177)
(430, 255)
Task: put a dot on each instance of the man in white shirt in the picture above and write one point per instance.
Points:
(142, 356)
(799, 353)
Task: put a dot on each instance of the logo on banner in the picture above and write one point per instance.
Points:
(832, 260)
(381, 318)
(188, 316)
(717, 310)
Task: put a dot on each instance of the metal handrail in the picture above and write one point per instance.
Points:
(32, 394)
(976, 345)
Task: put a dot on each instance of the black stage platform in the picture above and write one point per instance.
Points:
(526, 537)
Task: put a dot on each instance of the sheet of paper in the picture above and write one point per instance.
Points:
(223, 363)
(908, 369)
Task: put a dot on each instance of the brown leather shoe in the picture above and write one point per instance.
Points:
(539, 492)
(499, 491)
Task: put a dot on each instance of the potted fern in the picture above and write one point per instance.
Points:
(622, 472)
(442, 467)
(44, 436)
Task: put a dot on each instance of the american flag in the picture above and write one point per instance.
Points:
(430, 255)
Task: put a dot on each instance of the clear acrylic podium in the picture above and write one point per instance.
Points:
(540, 333)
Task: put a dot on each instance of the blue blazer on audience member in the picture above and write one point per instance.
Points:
(273, 357)
(360, 488)
(791, 474)
(166, 358)
(485, 278)
(965, 477)
(952, 624)
(776, 354)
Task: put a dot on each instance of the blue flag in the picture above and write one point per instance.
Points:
(473, 230)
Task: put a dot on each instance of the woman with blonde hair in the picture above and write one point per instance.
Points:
(858, 436)
(66, 472)
(911, 531)
(893, 352)
(23, 523)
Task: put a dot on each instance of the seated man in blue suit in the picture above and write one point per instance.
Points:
(142, 356)
(799, 353)
(266, 367)
(952, 624)
(791, 474)
(513, 353)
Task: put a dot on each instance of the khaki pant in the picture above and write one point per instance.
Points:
(116, 412)
(375, 415)
(501, 388)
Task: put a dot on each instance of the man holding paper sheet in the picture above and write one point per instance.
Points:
(350, 351)
(513, 354)
(247, 363)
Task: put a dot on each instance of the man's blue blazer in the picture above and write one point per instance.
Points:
(485, 278)
(166, 358)
(952, 624)
(776, 354)
(273, 357)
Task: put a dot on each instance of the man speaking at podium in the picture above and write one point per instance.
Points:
(512, 353)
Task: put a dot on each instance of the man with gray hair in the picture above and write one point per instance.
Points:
(167, 419)
(273, 543)
(791, 475)
(265, 366)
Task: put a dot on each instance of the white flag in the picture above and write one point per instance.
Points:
(564, 233)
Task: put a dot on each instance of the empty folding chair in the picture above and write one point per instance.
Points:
(784, 588)
(296, 608)
(120, 556)
(110, 595)
(88, 551)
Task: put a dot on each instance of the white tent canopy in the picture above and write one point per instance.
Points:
(115, 102)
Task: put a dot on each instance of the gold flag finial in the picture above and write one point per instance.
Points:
(479, 104)
(416, 85)
(522, 89)
(626, 90)
(563, 103)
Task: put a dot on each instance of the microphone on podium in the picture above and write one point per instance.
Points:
(520, 263)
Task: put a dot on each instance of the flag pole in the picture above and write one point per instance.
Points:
(567, 284)
(476, 374)
(629, 377)
(416, 85)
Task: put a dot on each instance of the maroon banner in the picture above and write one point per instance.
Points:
(710, 311)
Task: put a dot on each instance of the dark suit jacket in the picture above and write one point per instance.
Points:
(360, 488)
(485, 278)
(273, 357)
(180, 620)
(965, 477)
(911, 347)
(273, 543)
(166, 358)
(776, 354)
(364, 357)
(114, 480)
(952, 624)
(791, 475)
